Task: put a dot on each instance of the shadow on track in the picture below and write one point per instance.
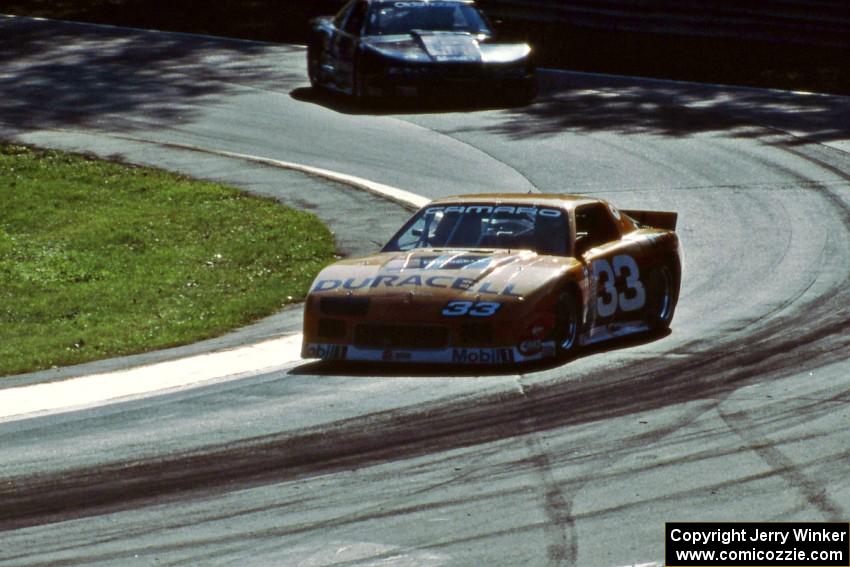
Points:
(58, 74)
(571, 102)
(347, 104)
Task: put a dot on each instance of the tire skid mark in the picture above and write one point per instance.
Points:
(714, 373)
(558, 499)
(562, 544)
(744, 426)
(399, 433)
(559, 531)
(780, 464)
(371, 439)
(821, 188)
(817, 332)
(825, 189)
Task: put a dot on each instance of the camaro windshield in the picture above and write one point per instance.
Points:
(392, 18)
(503, 226)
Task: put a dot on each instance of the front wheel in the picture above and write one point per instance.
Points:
(567, 324)
(314, 67)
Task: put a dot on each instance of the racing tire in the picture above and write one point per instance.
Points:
(663, 296)
(314, 67)
(567, 324)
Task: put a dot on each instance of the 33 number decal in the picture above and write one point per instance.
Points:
(474, 309)
(622, 268)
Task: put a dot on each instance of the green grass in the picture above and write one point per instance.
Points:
(99, 259)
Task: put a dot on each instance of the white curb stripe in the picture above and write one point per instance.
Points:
(394, 194)
(109, 387)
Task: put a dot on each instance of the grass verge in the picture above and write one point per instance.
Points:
(99, 259)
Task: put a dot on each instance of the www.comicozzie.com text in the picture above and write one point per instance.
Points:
(725, 537)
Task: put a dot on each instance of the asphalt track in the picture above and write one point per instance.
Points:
(741, 413)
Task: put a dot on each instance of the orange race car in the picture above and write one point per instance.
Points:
(498, 278)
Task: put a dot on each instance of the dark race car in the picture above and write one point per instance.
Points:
(374, 48)
(484, 279)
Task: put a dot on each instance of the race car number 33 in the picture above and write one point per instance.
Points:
(472, 308)
(622, 267)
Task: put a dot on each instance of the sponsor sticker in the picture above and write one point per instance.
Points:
(531, 347)
(421, 4)
(482, 355)
(415, 280)
(327, 352)
(495, 210)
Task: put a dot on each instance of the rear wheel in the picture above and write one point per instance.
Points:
(664, 292)
(567, 324)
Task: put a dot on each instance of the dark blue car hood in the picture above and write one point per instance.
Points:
(438, 46)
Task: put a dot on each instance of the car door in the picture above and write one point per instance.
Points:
(617, 293)
(330, 53)
(347, 43)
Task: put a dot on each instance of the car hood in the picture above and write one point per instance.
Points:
(442, 273)
(439, 46)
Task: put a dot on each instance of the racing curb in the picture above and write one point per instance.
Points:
(147, 379)
(399, 196)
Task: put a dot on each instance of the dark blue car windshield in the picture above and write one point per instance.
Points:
(503, 226)
(400, 18)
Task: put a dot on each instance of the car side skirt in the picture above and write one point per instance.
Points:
(464, 355)
(613, 331)
(450, 355)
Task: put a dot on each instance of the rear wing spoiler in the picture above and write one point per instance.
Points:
(656, 219)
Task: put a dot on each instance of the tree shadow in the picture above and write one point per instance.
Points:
(588, 103)
(585, 103)
(59, 74)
